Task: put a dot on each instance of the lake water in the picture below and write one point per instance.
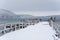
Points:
(58, 22)
(8, 21)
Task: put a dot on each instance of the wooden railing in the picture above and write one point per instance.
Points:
(56, 27)
(9, 27)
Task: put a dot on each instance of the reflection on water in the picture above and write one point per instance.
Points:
(58, 22)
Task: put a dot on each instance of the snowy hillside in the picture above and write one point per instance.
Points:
(4, 12)
(40, 31)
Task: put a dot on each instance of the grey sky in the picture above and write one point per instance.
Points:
(30, 5)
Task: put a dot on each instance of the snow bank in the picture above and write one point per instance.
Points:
(40, 31)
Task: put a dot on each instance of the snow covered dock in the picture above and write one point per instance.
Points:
(40, 31)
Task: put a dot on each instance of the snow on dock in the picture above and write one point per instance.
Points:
(40, 31)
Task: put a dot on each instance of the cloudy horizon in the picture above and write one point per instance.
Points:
(38, 13)
(34, 6)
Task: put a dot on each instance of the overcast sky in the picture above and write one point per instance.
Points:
(30, 5)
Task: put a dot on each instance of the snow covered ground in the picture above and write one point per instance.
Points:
(40, 31)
